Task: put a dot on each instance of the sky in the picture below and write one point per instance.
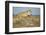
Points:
(35, 11)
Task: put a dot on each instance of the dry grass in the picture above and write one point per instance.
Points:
(26, 21)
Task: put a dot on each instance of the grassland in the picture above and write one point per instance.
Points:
(26, 21)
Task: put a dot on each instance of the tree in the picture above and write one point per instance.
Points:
(29, 12)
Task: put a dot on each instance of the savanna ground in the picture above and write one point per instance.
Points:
(26, 21)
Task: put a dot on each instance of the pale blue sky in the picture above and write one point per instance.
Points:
(35, 11)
